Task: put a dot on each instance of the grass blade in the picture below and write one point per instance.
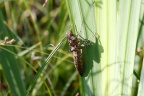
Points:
(83, 17)
(43, 66)
(10, 64)
(141, 84)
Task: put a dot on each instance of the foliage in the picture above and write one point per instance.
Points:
(39, 62)
(37, 29)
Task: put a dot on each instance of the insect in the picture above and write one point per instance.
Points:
(75, 45)
(75, 48)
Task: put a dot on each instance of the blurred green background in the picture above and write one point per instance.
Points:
(37, 26)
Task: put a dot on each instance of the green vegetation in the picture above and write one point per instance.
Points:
(39, 62)
(37, 30)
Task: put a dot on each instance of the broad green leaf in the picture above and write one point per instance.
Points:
(109, 62)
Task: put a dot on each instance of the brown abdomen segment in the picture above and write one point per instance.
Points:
(78, 61)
